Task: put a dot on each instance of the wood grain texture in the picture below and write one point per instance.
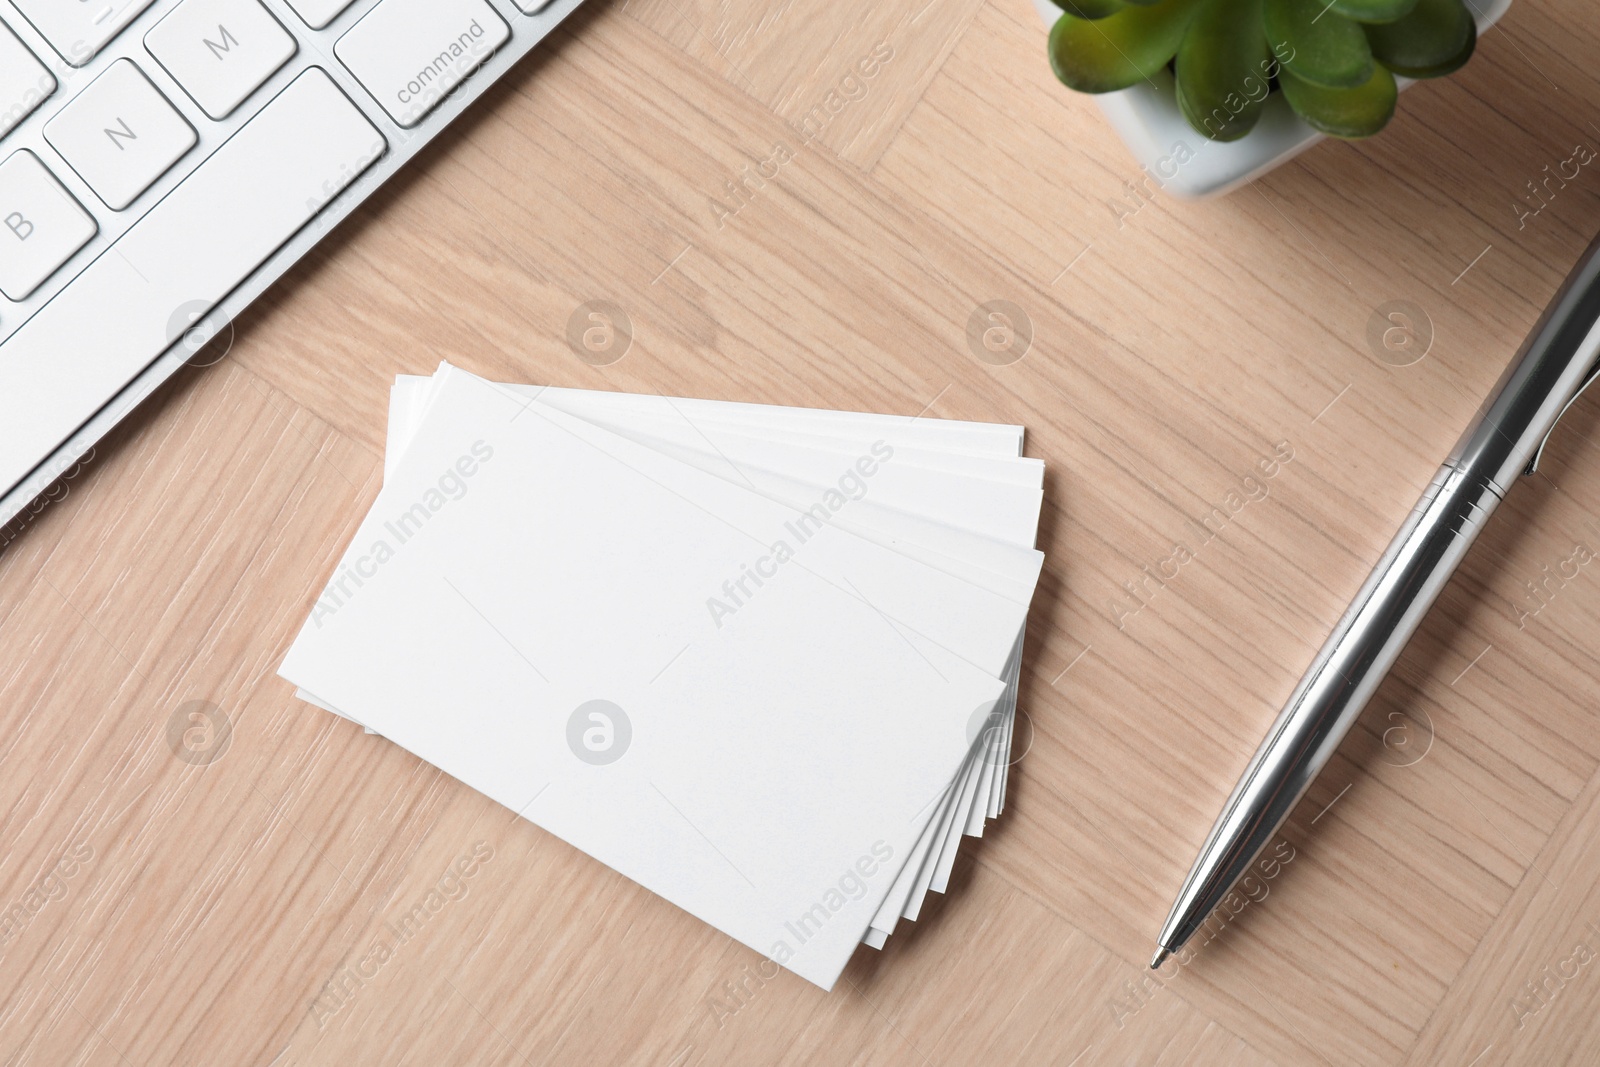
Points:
(288, 903)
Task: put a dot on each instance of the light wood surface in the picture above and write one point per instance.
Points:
(1444, 867)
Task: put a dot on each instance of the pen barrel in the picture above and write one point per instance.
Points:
(1560, 358)
(1556, 363)
(1347, 671)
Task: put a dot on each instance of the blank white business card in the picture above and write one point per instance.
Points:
(472, 622)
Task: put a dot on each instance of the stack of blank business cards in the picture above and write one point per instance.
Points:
(761, 660)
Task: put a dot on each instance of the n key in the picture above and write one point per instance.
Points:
(120, 134)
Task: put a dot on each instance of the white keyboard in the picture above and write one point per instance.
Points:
(163, 161)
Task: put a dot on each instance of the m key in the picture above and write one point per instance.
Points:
(220, 51)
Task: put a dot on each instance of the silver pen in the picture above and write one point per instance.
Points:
(1559, 359)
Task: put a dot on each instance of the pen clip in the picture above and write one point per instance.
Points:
(1533, 465)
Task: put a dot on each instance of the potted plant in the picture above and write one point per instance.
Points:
(1209, 94)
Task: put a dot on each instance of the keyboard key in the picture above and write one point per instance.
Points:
(41, 225)
(220, 51)
(409, 54)
(78, 29)
(318, 13)
(190, 250)
(25, 83)
(120, 134)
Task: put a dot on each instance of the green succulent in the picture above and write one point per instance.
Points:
(1334, 62)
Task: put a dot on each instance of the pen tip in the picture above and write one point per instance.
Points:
(1160, 957)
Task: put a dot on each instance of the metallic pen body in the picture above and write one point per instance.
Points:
(1506, 438)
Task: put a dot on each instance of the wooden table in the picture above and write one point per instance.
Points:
(780, 225)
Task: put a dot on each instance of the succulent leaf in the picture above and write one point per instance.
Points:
(1335, 61)
(1320, 45)
(1224, 69)
(1373, 10)
(1122, 49)
(1436, 38)
(1347, 113)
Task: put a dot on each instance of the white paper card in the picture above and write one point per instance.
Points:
(510, 574)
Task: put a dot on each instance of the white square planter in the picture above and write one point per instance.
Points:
(1147, 119)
